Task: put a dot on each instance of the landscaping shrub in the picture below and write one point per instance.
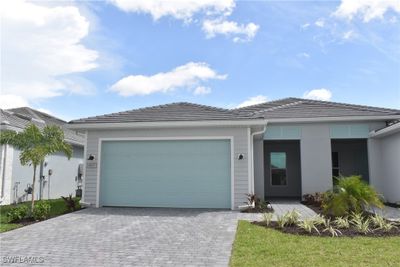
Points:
(281, 221)
(308, 225)
(267, 218)
(351, 194)
(292, 217)
(342, 222)
(41, 211)
(71, 203)
(313, 199)
(18, 213)
(255, 204)
(360, 224)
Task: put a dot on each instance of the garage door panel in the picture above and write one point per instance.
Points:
(185, 173)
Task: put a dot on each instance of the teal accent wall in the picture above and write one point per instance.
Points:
(184, 173)
(282, 133)
(349, 131)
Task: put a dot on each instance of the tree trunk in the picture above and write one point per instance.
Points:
(33, 188)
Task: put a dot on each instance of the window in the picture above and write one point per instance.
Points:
(335, 164)
(278, 168)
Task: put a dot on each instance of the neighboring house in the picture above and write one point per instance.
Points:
(195, 156)
(16, 179)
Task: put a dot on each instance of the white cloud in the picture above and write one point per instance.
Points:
(202, 90)
(318, 94)
(45, 111)
(366, 9)
(253, 101)
(305, 25)
(213, 14)
(179, 9)
(320, 23)
(241, 32)
(40, 44)
(303, 55)
(12, 101)
(188, 75)
(349, 35)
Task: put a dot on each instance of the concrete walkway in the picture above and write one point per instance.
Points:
(281, 207)
(387, 212)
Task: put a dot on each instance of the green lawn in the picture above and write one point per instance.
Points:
(58, 207)
(258, 246)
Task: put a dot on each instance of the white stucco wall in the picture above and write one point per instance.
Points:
(391, 167)
(62, 181)
(385, 166)
(6, 166)
(316, 164)
(259, 167)
(374, 164)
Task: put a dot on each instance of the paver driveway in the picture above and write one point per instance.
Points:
(128, 237)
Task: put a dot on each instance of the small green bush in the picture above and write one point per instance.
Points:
(41, 211)
(332, 230)
(361, 225)
(267, 218)
(18, 213)
(388, 226)
(377, 220)
(308, 225)
(292, 217)
(319, 220)
(351, 194)
(282, 221)
(342, 222)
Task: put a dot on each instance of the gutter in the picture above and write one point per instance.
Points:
(252, 155)
(3, 172)
(385, 131)
(168, 124)
(335, 119)
(222, 123)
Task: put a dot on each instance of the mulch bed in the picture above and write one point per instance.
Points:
(25, 221)
(351, 232)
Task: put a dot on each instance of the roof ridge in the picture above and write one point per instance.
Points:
(353, 106)
(263, 103)
(160, 107)
(280, 106)
(36, 114)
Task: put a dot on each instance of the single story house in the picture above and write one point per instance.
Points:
(194, 156)
(56, 177)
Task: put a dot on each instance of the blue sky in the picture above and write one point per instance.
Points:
(78, 59)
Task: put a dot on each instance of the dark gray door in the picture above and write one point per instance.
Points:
(282, 168)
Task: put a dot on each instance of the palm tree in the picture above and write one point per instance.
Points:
(35, 144)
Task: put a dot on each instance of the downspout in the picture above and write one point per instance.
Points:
(252, 154)
(3, 174)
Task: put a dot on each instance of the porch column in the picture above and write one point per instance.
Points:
(316, 165)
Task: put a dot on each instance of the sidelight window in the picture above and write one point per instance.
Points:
(278, 168)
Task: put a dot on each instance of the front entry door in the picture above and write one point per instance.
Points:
(282, 169)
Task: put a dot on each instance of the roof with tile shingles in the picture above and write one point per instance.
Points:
(22, 117)
(283, 108)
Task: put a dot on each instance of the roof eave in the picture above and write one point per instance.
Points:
(334, 119)
(392, 129)
(166, 124)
